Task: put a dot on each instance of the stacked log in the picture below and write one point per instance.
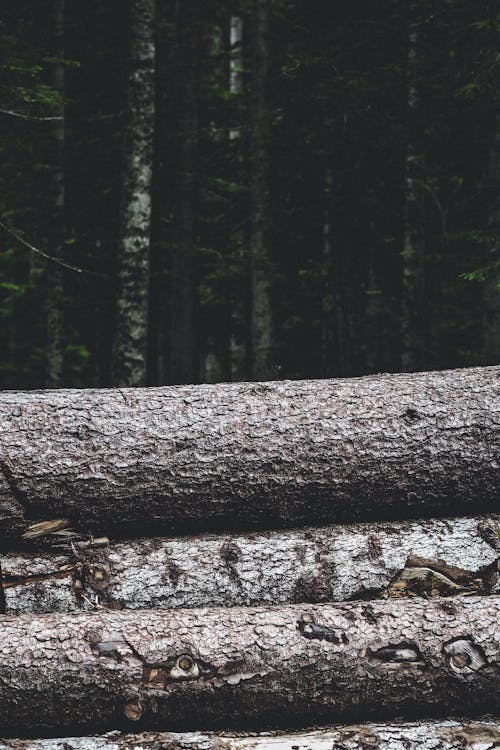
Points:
(250, 667)
(424, 735)
(251, 455)
(437, 557)
(243, 626)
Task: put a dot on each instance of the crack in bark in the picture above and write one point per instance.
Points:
(399, 653)
(7, 581)
(312, 631)
(17, 493)
(3, 603)
(490, 535)
(17, 499)
(424, 576)
(230, 554)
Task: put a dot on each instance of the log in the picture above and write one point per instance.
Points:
(251, 455)
(360, 561)
(423, 735)
(254, 668)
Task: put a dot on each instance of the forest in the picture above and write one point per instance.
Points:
(233, 190)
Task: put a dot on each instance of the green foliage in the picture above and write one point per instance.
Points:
(340, 127)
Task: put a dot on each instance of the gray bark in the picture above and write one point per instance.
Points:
(238, 305)
(423, 735)
(249, 668)
(235, 63)
(261, 318)
(129, 346)
(234, 455)
(448, 558)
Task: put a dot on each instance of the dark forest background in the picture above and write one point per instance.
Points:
(208, 191)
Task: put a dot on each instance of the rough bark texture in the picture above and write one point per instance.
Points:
(428, 735)
(129, 346)
(249, 668)
(273, 454)
(448, 558)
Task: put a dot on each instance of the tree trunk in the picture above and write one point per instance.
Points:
(262, 324)
(184, 353)
(452, 557)
(129, 346)
(423, 735)
(491, 338)
(235, 64)
(56, 183)
(249, 668)
(251, 455)
(239, 304)
(412, 341)
(331, 317)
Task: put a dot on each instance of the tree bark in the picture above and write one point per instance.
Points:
(261, 319)
(453, 557)
(249, 668)
(240, 336)
(235, 64)
(423, 735)
(129, 346)
(251, 455)
(331, 315)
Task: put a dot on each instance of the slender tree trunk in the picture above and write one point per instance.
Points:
(235, 64)
(331, 321)
(412, 341)
(184, 352)
(249, 668)
(54, 278)
(235, 455)
(214, 333)
(130, 342)
(453, 557)
(483, 734)
(261, 321)
(491, 337)
(239, 307)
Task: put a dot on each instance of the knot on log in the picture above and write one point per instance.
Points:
(411, 415)
(97, 576)
(185, 668)
(133, 711)
(464, 656)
